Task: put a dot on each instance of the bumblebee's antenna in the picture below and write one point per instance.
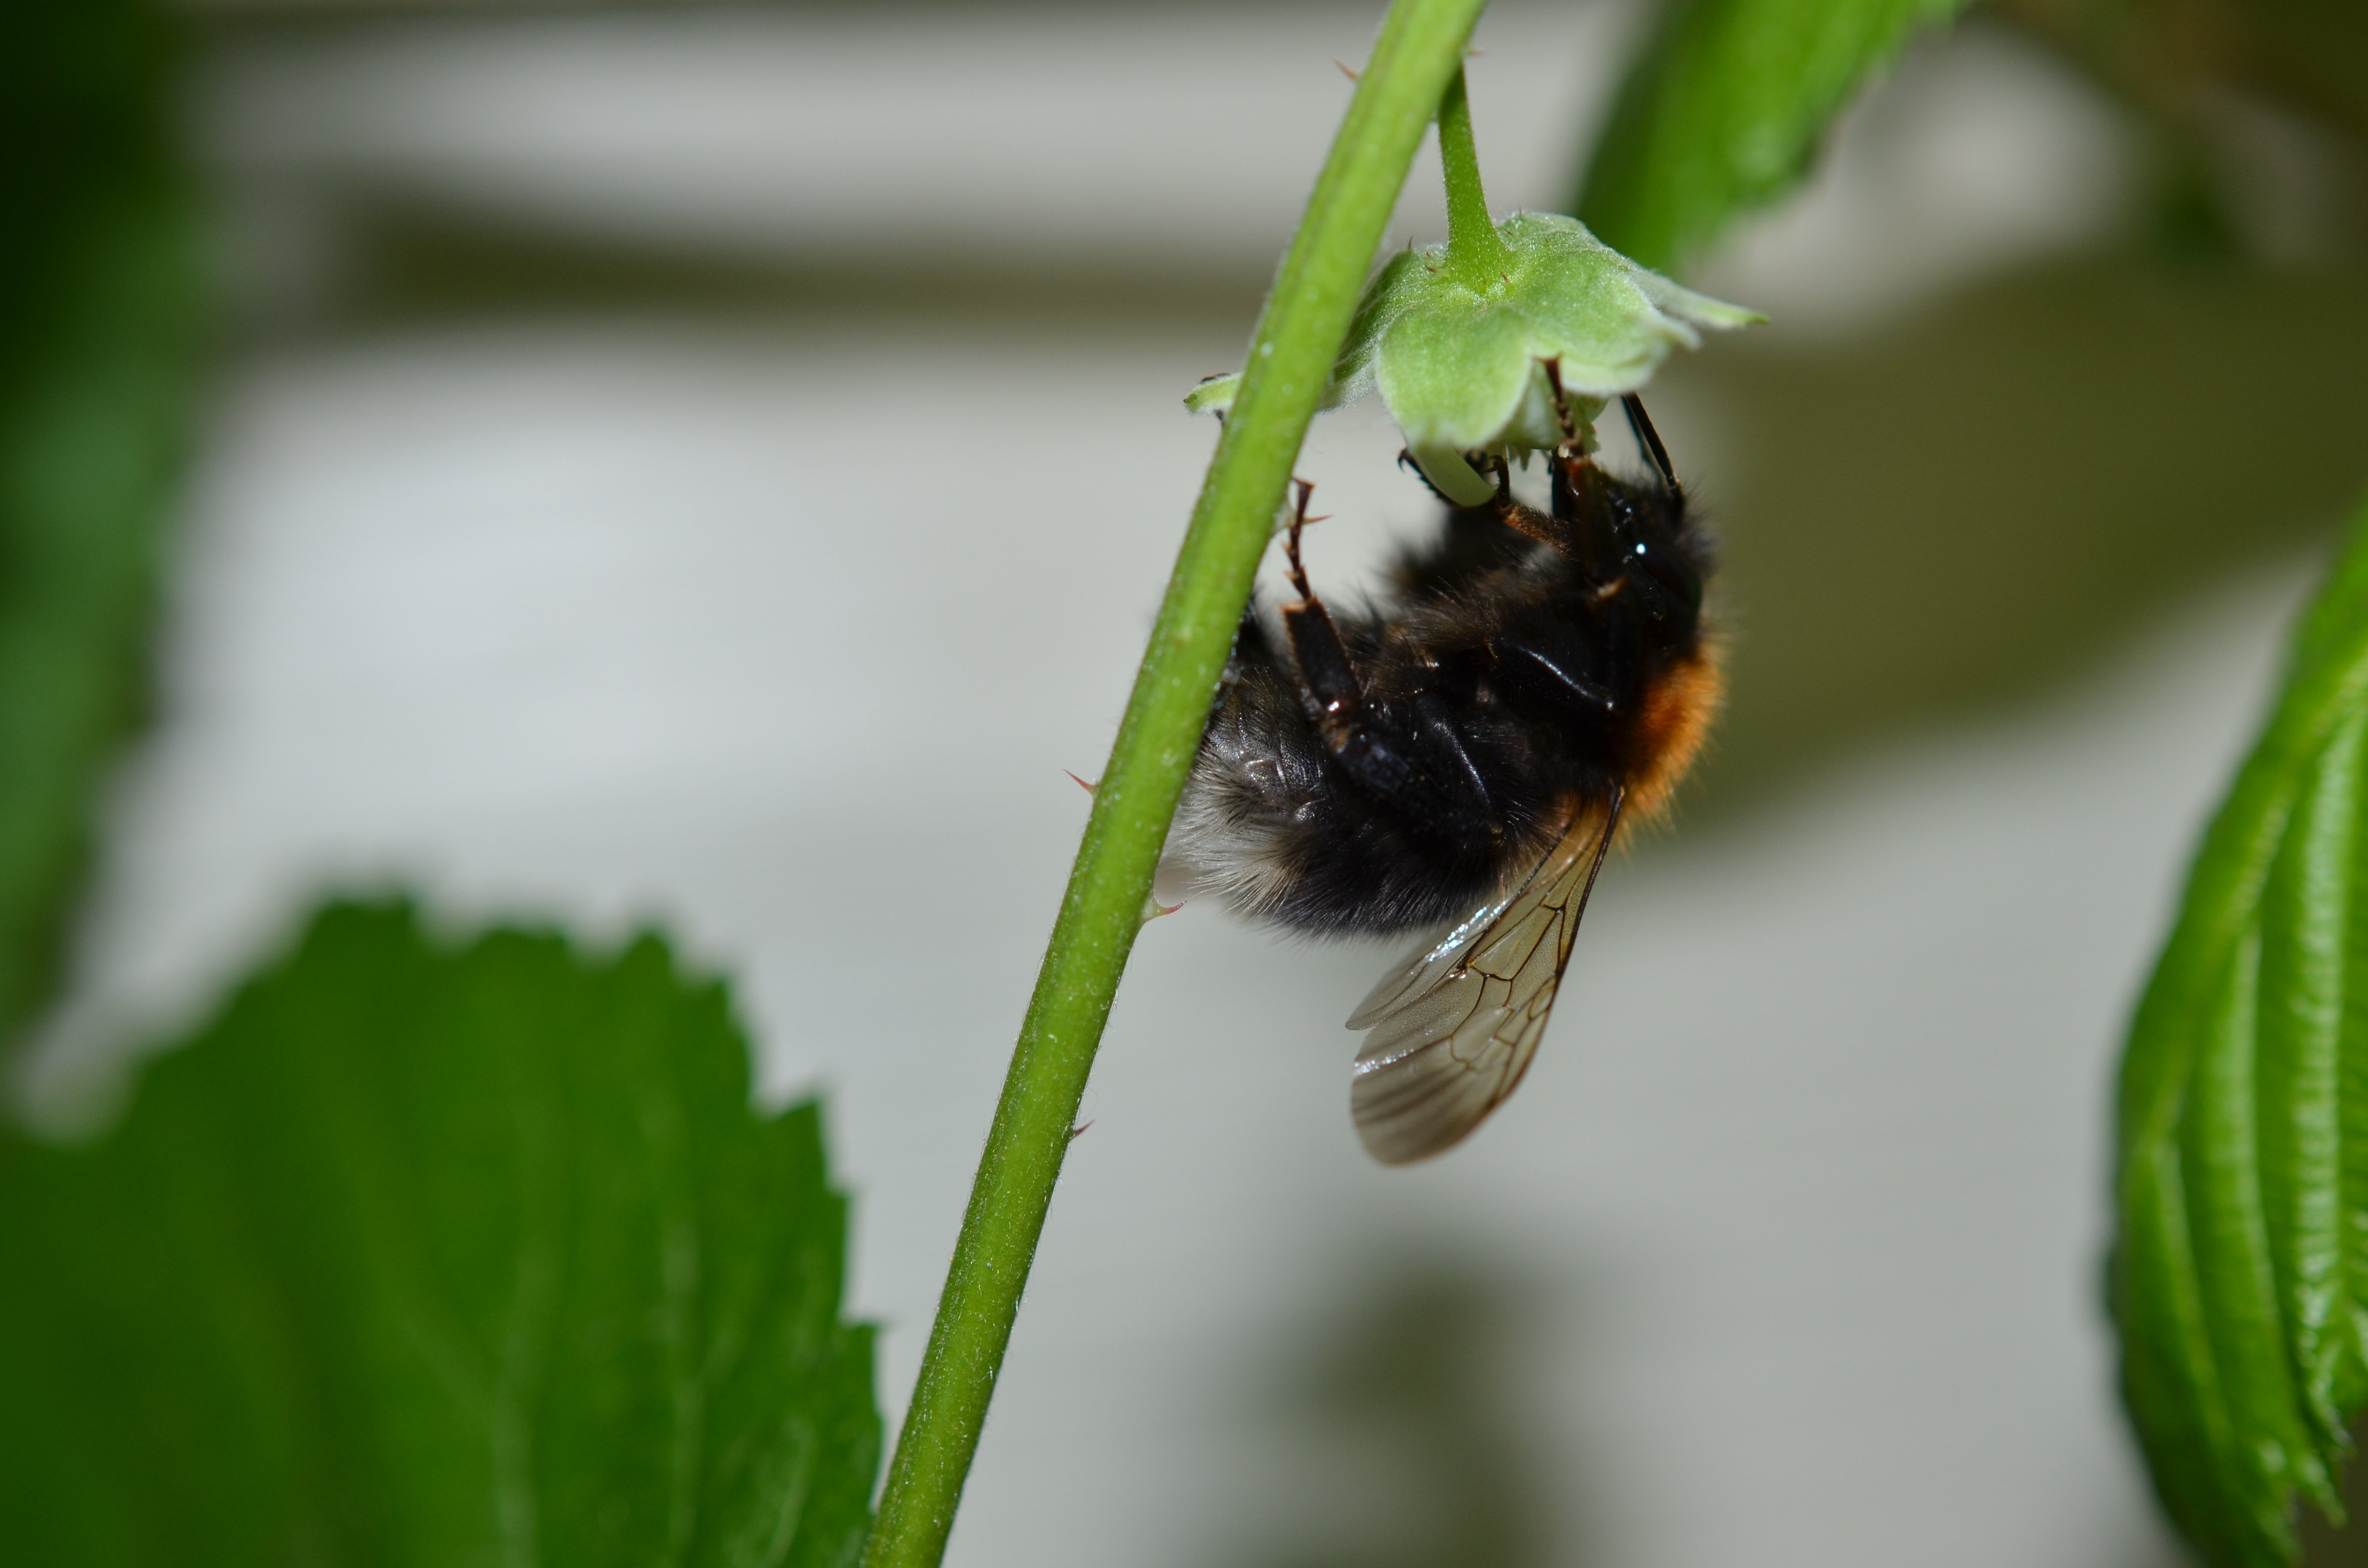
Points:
(1650, 439)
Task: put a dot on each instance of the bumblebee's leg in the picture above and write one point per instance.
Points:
(1584, 495)
(1556, 664)
(1336, 698)
(1498, 465)
(1407, 465)
(1254, 654)
(1591, 504)
(1302, 491)
(1562, 404)
(1422, 768)
(1437, 728)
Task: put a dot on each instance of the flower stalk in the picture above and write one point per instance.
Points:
(1306, 319)
(1477, 254)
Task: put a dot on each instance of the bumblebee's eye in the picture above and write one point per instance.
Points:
(1668, 571)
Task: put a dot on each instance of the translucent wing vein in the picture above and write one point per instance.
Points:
(1454, 1029)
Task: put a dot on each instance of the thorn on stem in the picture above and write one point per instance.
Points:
(1081, 784)
(1346, 70)
(1153, 909)
(1078, 1130)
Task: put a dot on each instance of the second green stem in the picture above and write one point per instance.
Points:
(1475, 250)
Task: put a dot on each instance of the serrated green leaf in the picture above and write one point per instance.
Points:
(99, 309)
(2304, 965)
(2241, 1270)
(422, 1254)
(1724, 110)
(2220, 1158)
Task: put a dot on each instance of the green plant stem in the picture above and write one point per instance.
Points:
(1305, 320)
(1476, 252)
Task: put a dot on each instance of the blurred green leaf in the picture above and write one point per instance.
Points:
(2175, 58)
(422, 1254)
(2310, 53)
(1724, 109)
(100, 307)
(2240, 1279)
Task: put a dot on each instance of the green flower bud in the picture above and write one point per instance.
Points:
(1459, 346)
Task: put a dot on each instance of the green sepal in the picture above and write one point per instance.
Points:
(1215, 395)
(1461, 361)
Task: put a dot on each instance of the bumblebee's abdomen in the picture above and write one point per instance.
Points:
(1271, 822)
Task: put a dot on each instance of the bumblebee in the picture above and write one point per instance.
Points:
(1461, 755)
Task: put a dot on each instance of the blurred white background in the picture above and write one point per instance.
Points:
(777, 627)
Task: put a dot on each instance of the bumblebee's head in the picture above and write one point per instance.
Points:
(1605, 518)
(1636, 532)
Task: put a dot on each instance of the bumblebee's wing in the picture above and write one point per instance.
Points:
(1454, 1030)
